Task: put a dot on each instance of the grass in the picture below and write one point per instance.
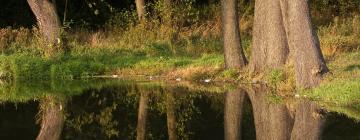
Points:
(340, 90)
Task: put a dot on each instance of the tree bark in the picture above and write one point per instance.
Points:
(270, 46)
(140, 9)
(52, 119)
(47, 19)
(234, 55)
(234, 101)
(272, 121)
(309, 61)
(142, 116)
(308, 122)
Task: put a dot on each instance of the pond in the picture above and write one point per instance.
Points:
(119, 109)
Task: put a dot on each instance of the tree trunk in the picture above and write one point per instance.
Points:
(308, 122)
(309, 62)
(234, 55)
(140, 9)
(47, 19)
(234, 101)
(142, 116)
(270, 46)
(167, 13)
(272, 121)
(52, 119)
(171, 116)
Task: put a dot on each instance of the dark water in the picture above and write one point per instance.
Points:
(104, 109)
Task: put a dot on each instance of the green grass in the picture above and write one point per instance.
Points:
(97, 62)
(340, 90)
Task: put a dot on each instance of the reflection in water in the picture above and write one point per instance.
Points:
(52, 118)
(272, 121)
(171, 112)
(142, 115)
(170, 115)
(308, 122)
(234, 101)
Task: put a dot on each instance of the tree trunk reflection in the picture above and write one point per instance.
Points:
(272, 121)
(308, 122)
(142, 116)
(233, 113)
(52, 118)
(171, 116)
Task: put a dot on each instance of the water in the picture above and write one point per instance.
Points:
(115, 109)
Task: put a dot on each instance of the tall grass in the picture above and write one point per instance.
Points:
(342, 35)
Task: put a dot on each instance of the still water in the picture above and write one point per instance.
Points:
(117, 109)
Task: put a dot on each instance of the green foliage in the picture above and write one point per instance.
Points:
(341, 92)
(121, 20)
(177, 14)
(274, 77)
(231, 73)
(24, 67)
(209, 59)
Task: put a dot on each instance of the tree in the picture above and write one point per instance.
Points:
(140, 9)
(309, 61)
(270, 46)
(283, 33)
(234, 55)
(47, 19)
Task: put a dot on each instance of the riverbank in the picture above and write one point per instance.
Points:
(157, 52)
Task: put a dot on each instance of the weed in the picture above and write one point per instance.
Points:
(274, 77)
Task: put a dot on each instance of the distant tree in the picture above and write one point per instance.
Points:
(168, 12)
(47, 19)
(308, 59)
(234, 55)
(140, 9)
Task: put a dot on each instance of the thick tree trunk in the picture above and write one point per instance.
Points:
(47, 19)
(309, 62)
(140, 9)
(234, 55)
(308, 122)
(142, 116)
(272, 121)
(270, 46)
(171, 116)
(234, 101)
(52, 119)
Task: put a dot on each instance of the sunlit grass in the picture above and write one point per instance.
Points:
(340, 90)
